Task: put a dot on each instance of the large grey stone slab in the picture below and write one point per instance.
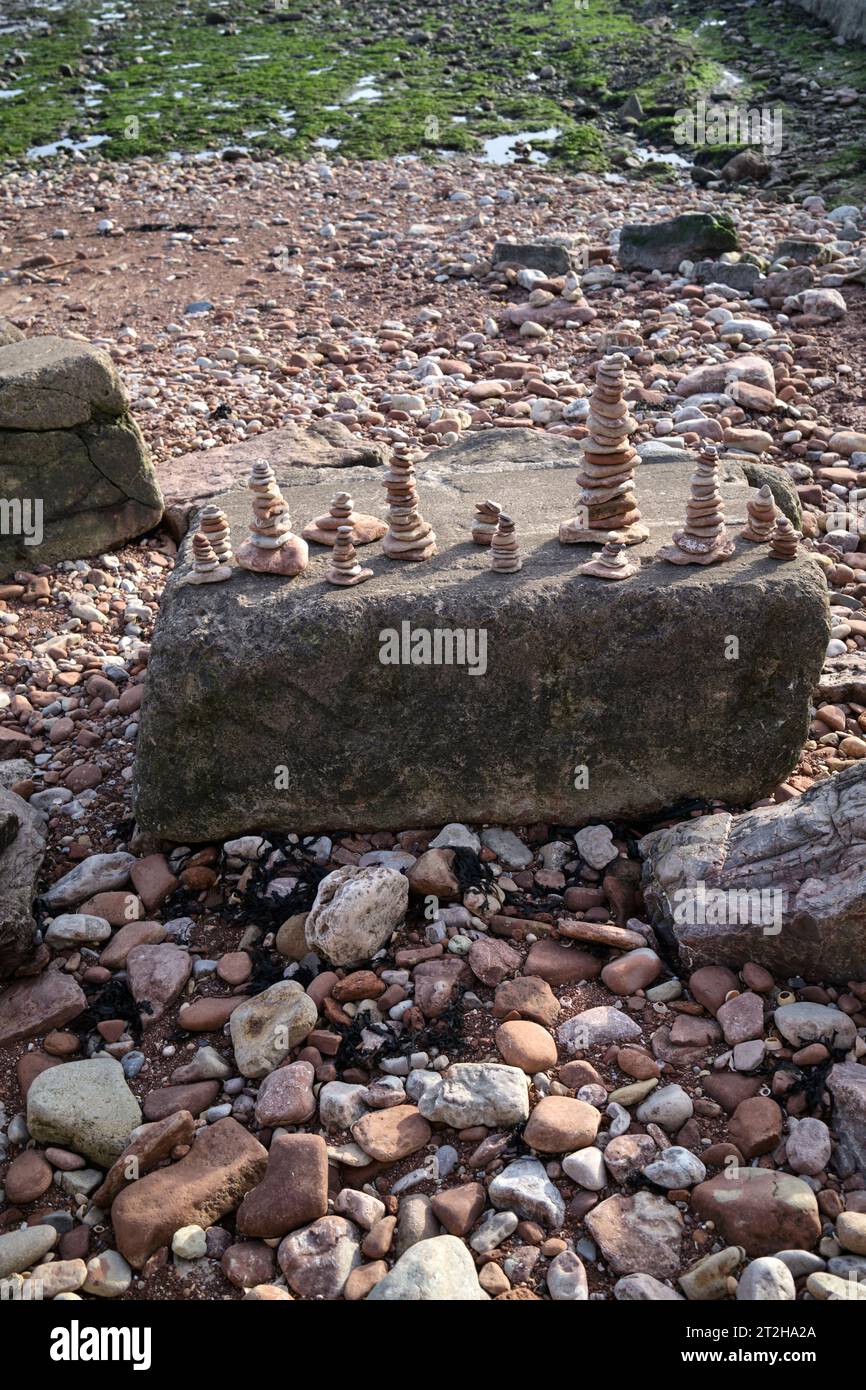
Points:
(75, 474)
(268, 706)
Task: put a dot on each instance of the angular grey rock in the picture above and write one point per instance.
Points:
(738, 275)
(524, 1188)
(478, 1093)
(663, 245)
(68, 440)
(218, 649)
(84, 1106)
(791, 880)
(9, 333)
(22, 849)
(675, 1167)
(804, 1023)
(510, 850)
(433, 1271)
(846, 1083)
(554, 255)
(355, 912)
(845, 17)
(98, 874)
(596, 1027)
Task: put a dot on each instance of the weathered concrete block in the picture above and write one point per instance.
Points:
(268, 704)
(73, 463)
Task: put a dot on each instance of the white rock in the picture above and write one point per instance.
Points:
(71, 927)
(595, 845)
(477, 1093)
(566, 1279)
(439, 1269)
(355, 912)
(766, 1279)
(189, 1243)
(586, 1167)
(675, 1167)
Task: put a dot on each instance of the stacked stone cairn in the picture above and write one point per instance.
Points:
(606, 501)
(271, 547)
(704, 538)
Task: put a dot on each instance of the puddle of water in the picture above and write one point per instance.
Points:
(364, 90)
(43, 151)
(644, 154)
(500, 149)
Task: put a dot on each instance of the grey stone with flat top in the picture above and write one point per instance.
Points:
(268, 707)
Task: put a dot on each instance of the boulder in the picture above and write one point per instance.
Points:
(553, 255)
(84, 1106)
(663, 245)
(784, 885)
(558, 649)
(437, 1270)
(69, 444)
(224, 1163)
(22, 849)
(762, 1210)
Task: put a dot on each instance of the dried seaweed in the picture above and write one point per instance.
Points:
(112, 1000)
(469, 870)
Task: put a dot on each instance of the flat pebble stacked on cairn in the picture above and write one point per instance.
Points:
(206, 567)
(344, 568)
(610, 563)
(785, 540)
(214, 524)
(704, 538)
(409, 536)
(762, 516)
(606, 502)
(365, 529)
(271, 547)
(484, 521)
(504, 549)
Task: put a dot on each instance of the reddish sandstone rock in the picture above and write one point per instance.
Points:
(168, 1100)
(208, 1014)
(29, 1066)
(492, 961)
(632, 971)
(388, 1135)
(742, 1019)
(132, 935)
(154, 1143)
(637, 1063)
(526, 1045)
(28, 1177)
(559, 1124)
(294, 1190)
(756, 1126)
(248, 1263)
(762, 1210)
(560, 965)
(224, 1163)
(528, 996)
(116, 907)
(153, 880)
(710, 984)
(728, 1088)
(157, 975)
(286, 1095)
(35, 1005)
(639, 1234)
(458, 1208)
(437, 982)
